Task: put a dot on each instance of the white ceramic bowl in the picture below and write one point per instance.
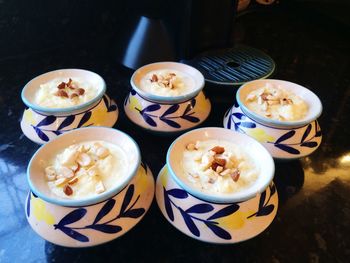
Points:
(283, 139)
(42, 124)
(93, 220)
(217, 218)
(166, 114)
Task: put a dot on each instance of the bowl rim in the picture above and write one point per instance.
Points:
(89, 200)
(276, 123)
(39, 108)
(212, 197)
(167, 99)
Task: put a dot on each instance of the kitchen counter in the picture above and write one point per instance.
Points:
(313, 218)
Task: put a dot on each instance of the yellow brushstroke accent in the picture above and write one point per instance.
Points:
(40, 211)
(235, 220)
(98, 116)
(141, 182)
(260, 135)
(28, 117)
(164, 177)
(134, 103)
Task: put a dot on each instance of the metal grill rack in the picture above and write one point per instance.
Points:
(233, 66)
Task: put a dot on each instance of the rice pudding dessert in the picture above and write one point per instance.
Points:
(218, 166)
(167, 82)
(86, 169)
(63, 93)
(276, 103)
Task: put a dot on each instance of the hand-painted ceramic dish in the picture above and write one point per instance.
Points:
(284, 140)
(166, 114)
(94, 220)
(217, 218)
(42, 124)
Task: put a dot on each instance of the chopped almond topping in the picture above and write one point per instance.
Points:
(191, 147)
(67, 190)
(73, 95)
(73, 181)
(84, 159)
(220, 161)
(100, 188)
(235, 175)
(62, 93)
(154, 78)
(62, 85)
(218, 149)
(61, 181)
(80, 91)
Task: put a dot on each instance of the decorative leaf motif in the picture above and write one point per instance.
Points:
(229, 122)
(190, 224)
(150, 108)
(67, 121)
(109, 107)
(28, 204)
(171, 110)
(86, 117)
(220, 232)
(127, 198)
(306, 133)
(46, 121)
(134, 213)
(285, 136)
(262, 199)
(248, 124)
(105, 228)
(266, 210)
(317, 129)
(107, 207)
(309, 144)
(188, 109)
(171, 123)
(133, 92)
(190, 118)
(74, 234)
(57, 132)
(287, 148)
(167, 205)
(200, 209)
(239, 115)
(226, 211)
(41, 134)
(177, 193)
(272, 189)
(193, 102)
(149, 120)
(72, 217)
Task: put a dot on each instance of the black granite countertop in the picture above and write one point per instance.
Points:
(313, 219)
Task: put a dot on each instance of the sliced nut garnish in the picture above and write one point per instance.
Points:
(61, 181)
(218, 149)
(220, 161)
(67, 190)
(214, 166)
(154, 78)
(62, 85)
(73, 181)
(191, 147)
(73, 95)
(260, 100)
(92, 171)
(50, 173)
(219, 169)
(194, 175)
(80, 91)
(235, 175)
(84, 159)
(207, 159)
(62, 93)
(102, 152)
(99, 188)
(69, 83)
(64, 172)
(273, 102)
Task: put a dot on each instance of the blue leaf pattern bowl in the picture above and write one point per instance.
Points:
(167, 114)
(84, 226)
(41, 124)
(220, 223)
(164, 117)
(284, 140)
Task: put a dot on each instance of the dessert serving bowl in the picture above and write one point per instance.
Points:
(170, 113)
(95, 219)
(283, 139)
(221, 218)
(42, 123)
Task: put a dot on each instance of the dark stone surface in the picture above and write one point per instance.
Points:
(312, 223)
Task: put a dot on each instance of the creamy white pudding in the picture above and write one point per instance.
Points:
(86, 169)
(64, 93)
(276, 103)
(218, 166)
(167, 82)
